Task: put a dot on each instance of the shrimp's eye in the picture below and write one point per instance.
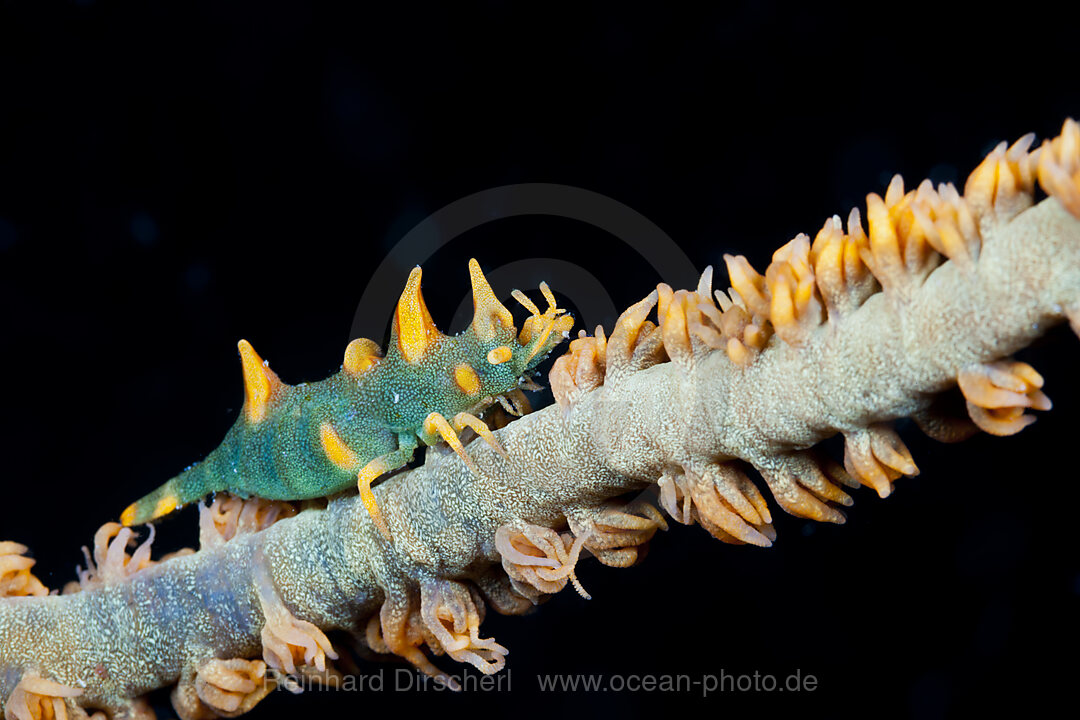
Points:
(467, 379)
(499, 355)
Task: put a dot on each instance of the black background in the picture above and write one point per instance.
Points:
(176, 176)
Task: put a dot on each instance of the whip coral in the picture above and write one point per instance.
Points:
(840, 335)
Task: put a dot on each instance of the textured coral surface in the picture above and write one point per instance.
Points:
(838, 337)
(140, 189)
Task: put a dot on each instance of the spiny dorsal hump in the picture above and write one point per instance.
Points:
(360, 354)
(260, 383)
(413, 327)
(488, 312)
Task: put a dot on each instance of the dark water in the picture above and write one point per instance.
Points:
(174, 177)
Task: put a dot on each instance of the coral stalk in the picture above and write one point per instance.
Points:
(786, 360)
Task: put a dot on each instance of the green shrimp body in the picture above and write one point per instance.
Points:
(315, 439)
